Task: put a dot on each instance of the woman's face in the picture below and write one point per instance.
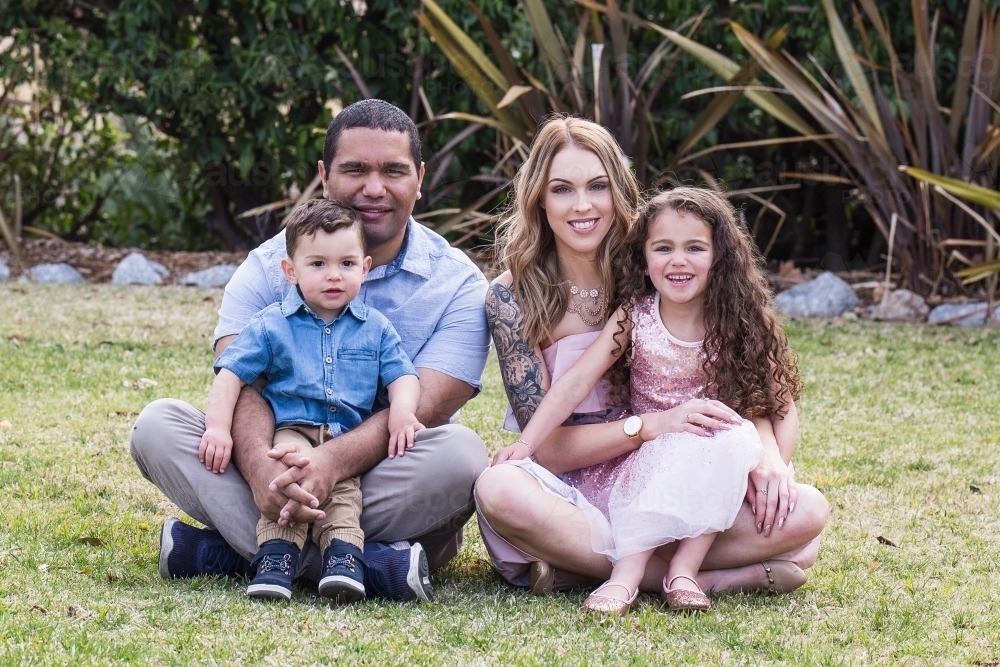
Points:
(578, 202)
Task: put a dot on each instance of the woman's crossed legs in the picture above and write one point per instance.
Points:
(556, 531)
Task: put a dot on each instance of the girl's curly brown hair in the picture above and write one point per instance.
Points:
(748, 363)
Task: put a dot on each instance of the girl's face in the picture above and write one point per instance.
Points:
(678, 254)
(577, 201)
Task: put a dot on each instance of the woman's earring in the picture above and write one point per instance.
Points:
(419, 194)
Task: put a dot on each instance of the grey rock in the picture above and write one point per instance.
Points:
(4, 271)
(825, 296)
(901, 305)
(216, 276)
(135, 269)
(974, 312)
(61, 273)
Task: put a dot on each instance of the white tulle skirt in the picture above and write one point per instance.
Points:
(677, 486)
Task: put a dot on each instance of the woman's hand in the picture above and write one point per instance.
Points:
(771, 491)
(517, 451)
(698, 416)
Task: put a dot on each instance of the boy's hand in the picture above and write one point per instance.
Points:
(215, 450)
(402, 434)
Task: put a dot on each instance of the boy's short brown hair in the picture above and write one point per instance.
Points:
(326, 214)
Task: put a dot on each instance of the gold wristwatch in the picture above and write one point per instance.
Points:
(632, 426)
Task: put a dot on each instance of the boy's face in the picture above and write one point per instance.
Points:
(329, 269)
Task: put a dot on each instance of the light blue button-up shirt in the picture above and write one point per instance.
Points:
(431, 293)
(318, 373)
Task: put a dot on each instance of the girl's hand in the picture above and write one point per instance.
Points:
(698, 416)
(771, 491)
(515, 452)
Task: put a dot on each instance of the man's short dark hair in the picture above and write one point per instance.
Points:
(373, 115)
(329, 215)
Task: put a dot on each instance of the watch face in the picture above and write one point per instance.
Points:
(632, 426)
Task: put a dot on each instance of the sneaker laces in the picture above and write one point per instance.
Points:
(223, 559)
(271, 563)
(342, 560)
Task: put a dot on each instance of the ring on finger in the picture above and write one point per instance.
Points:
(688, 419)
(764, 490)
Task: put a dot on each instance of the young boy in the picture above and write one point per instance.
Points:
(325, 357)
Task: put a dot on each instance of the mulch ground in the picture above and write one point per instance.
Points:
(97, 263)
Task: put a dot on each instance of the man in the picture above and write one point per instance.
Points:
(433, 295)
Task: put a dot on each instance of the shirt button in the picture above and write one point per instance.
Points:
(329, 360)
(326, 330)
(329, 391)
(333, 408)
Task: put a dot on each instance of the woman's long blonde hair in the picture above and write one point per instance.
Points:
(525, 242)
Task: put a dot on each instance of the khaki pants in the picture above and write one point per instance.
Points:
(425, 496)
(342, 508)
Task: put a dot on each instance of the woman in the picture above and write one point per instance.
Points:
(574, 200)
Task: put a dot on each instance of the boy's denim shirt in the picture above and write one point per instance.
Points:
(318, 373)
(432, 293)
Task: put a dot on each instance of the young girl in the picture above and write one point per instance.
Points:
(698, 318)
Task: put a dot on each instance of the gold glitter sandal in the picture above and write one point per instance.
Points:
(679, 599)
(605, 605)
(783, 576)
(543, 576)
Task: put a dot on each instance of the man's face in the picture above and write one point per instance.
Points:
(373, 172)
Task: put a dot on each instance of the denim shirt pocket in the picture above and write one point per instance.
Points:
(356, 354)
(359, 367)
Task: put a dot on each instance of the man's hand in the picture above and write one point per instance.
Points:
(216, 449)
(289, 455)
(351, 454)
(308, 477)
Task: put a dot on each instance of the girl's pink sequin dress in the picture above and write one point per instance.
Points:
(679, 485)
(666, 372)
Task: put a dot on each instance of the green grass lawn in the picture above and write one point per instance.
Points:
(899, 430)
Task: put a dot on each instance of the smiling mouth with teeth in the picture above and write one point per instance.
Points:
(680, 278)
(583, 224)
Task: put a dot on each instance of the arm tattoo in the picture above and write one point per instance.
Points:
(520, 366)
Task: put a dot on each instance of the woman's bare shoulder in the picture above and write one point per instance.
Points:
(505, 279)
(500, 296)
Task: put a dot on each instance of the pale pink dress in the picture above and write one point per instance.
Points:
(678, 485)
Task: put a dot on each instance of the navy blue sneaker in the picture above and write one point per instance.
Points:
(397, 571)
(186, 551)
(275, 564)
(343, 577)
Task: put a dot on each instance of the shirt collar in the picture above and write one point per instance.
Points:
(414, 256)
(293, 303)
